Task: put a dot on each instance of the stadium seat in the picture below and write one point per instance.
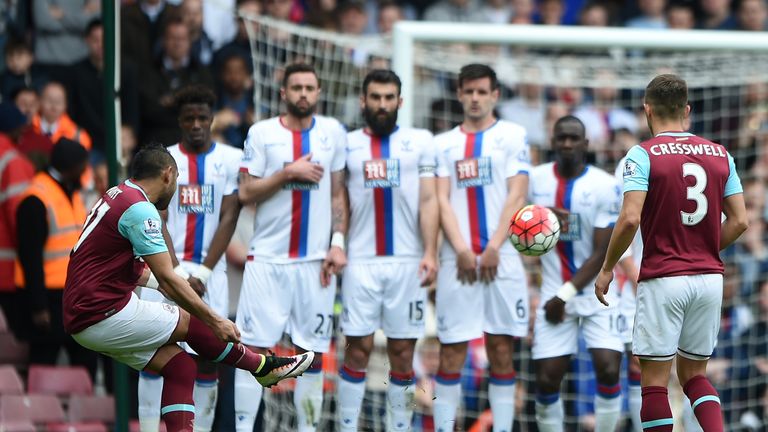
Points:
(38, 409)
(91, 409)
(133, 426)
(17, 426)
(77, 427)
(12, 351)
(10, 381)
(59, 380)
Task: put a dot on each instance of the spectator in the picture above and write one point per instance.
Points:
(651, 15)
(753, 347)
(751, 251)
(60, 26)
(455, 11)
(234, 111)
(595, 15)
(141, 27)
(522, 12)
(497, 11)
(21, 70)
(86, 90)
(44, 244)
(174, 69)
(278, 9)
(716, 15)
(680, 16)
(202, 46)
(752, 15)
(551, 12)
(26, 100)
(53, 120)
(322, 14)
(389, 13)
(15, 174)
(32, 144)
(352, 18)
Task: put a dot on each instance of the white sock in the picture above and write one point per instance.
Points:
(351, 392)
(205, 395)
(635, 402)
(447, 398)
(248, 394)
(501, 395)
(549, 413)
(400, 394)
(607, 413)
(150, 392)
(308, 399)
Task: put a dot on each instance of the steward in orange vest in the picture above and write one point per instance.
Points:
(49, 221)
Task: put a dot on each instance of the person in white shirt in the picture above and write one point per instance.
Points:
(482, 180)
(293, 170)
(392, 249)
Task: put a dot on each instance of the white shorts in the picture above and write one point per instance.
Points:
(679, 314)
(277, 298)
(557, 340)
(384, 295)
(626, 318)
(216, 294)
(464, 312)
(134, 334)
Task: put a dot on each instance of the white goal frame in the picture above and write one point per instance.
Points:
(407, 33)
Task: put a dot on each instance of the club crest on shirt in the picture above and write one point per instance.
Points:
(194, 198)
(325, 144)
(473, 172)
(406, 146)
(381, 173)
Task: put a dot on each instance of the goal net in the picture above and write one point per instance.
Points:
(541, 82)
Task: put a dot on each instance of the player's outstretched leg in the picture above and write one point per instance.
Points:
(448, 385)
(308, 396)
(149, 395)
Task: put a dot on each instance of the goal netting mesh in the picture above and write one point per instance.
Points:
(729, 100)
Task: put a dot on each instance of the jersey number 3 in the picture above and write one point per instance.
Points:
(696, 194)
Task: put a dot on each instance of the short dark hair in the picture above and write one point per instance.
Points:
(475, 71)
(381, 76)
(667, 94)
(570, 118)
(150, 161)
(298, 68)
(194, 94)
(67, 154)
(92, 25)
(15, 45)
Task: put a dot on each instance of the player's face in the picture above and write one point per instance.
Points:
(569, 143)
(478, 98)
(169, 177)
(380, 104)
(195, 123)
(301, 94)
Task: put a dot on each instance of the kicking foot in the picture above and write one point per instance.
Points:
(276, 369)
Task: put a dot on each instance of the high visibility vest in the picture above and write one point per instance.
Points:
(68, 129)
(15, 174)
(65, 221)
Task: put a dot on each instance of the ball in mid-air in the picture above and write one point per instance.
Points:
(534, 230)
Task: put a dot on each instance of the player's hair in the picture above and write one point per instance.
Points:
(150, 161)
(476, 71)
(381, 76)
(194, 94)
(298, 68)
(667, 94)
(571, 118)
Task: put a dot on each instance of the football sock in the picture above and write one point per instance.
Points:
(635, 401)
(150, 391)
(351, 393)
(204, 342)
(308, 397)
(549, 412)
(205, 394)
(400, 393)
(607, 407)
(655, 412)
(177, 406)
(248, 394)
(501, 395)
(705, 403)
(447, 398)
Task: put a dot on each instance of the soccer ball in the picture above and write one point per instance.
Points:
(534, 230)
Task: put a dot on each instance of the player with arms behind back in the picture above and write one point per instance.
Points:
(200, 219)
(123, 232)
(676, 188)
(481, 288)
(587, 199)
(392, 246)
(293, 170)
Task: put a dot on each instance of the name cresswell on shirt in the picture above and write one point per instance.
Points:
(473, 172)
(381, 173)
(687, 149)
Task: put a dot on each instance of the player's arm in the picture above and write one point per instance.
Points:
(254, 190)
(168, 239)
(336, 259)
(517, 189)
(429, 225)
(735, 222)
(230, 211)
(465, 258)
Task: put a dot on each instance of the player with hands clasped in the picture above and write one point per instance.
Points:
(586, 200)
(677, 186)
(123, 232)
(293, 170)
(393, 230)
(481, 286)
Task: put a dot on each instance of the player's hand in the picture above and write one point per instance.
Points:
(602, 284)
(466, 266)
(42, 319)
(304, 170)
(554, 310)
(562, 217)
(489, 263)
(334, 264)
(226, 330)
(197, 285)
(427, 270)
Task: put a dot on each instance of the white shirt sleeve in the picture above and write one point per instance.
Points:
(609, 205)
(518, 157)
(340, 153)
(230, 186)
(254, 160)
